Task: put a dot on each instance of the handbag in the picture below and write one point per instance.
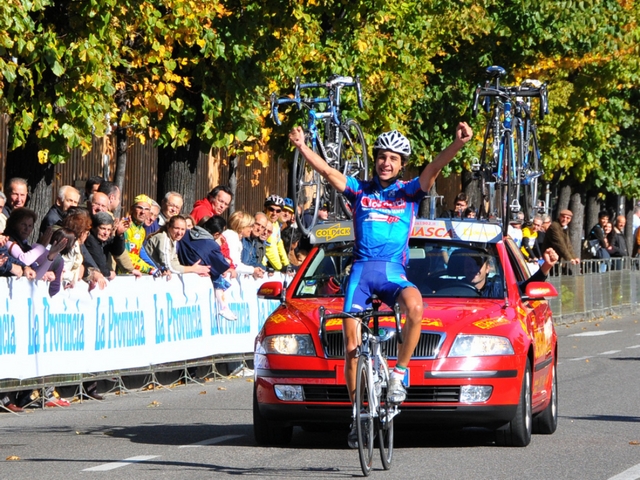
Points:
(592, 247)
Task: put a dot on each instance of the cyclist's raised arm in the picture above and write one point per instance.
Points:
(431, 172)
(333, 176)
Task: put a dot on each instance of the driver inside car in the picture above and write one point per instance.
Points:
(477, 267)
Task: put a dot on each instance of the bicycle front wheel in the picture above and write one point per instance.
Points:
(384, 424)
(353, 160)
(306, 195)
(364, 417)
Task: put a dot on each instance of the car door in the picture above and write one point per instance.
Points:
(539, 319)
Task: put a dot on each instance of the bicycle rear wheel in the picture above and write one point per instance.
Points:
(384, 424)
(353, 161)
(531, 174)
(306, 195)
(364, 417)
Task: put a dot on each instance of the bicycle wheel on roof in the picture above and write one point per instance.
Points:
(353, 160)
(307, 192)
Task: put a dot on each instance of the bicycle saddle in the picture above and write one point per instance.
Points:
(496, 71)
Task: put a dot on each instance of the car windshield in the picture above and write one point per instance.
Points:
(438, 268)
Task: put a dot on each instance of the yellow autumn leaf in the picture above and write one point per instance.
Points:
(43, 156)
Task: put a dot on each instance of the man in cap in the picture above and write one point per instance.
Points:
(557, 237)
(275, 253)
(134, 236)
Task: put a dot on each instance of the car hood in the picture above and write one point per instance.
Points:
(450, 315)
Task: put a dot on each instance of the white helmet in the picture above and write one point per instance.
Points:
(393, 141)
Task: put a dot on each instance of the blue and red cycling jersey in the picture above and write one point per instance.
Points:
(382, 221)
(383, 217)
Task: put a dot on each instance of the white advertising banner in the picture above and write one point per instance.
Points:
(132, 323)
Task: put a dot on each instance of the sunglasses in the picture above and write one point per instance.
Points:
(275, 210)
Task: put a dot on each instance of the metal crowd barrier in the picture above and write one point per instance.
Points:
(595, 288)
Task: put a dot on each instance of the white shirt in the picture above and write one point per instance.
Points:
(235, 250)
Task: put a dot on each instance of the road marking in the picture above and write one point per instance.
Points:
(610, 352)
(580, 358)
(634, 346)
(211, 441)
(124, 463)
(631, 474)
(594, 334)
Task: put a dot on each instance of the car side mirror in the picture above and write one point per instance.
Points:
(538, 290)
(271, 291)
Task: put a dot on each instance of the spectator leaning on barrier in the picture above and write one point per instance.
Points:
(216, 203)
(240, 227)
(598, 233)
(253, 246)
(617, 240)
(275, 253)
(134, 236)
(78, 263)
(557, 237)
(530, 247)
(199, 244)
(151, 224)
(3, 218)
(170, 206)
(103, 245)
(161, 247)
(67, 197)
(17, 196)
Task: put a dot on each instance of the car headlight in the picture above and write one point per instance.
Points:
(287, 345)
(480, 345)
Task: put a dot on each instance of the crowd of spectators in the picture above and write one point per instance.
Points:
(82, 244)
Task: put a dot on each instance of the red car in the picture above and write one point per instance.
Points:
(485, 357)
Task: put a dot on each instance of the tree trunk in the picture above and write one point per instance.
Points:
(23, 163)
(177, 172)
(233, 181)
(564, 198)
(576, 205)
(591, 214)
(122, 142)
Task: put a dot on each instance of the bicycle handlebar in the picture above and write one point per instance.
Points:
(369, 313)
(334, 84)
(508, 93)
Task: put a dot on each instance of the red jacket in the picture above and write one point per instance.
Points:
(202, 208)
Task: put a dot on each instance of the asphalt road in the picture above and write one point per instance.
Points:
(205, 431)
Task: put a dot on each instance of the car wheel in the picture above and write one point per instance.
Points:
(266, 432)
(517, 433)
(546, 421)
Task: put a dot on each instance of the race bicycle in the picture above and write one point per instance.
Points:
(372, 412)
(338, 140)
(509, 165)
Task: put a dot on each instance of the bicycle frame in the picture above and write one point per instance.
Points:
(511, 124)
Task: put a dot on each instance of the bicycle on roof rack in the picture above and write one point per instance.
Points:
(510, 163)
(372, 412)
(338, 140)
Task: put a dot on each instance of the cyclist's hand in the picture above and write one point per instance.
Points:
(463, 132)
(297, 136)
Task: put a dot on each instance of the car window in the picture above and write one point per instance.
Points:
(446, 269)
(520, 268)
(437, 268)
(326, 273)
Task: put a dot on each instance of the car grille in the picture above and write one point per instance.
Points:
(338, 393)
(427, 346)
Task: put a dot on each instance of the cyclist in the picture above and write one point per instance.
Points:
(383, 211)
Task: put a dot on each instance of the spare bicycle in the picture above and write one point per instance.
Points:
(509, 165)
(338, 140)
(372, 412)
